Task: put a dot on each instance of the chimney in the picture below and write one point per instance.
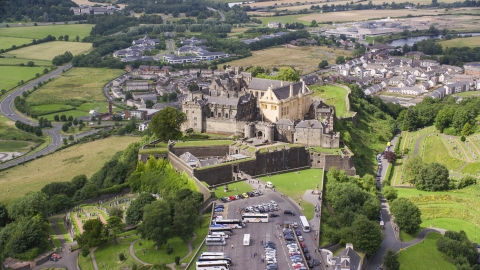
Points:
(281, 83)
(272, 86)
(303, 86)
(291, 90)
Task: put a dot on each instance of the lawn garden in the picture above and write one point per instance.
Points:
(414, 257)
(295, 184)
(233, 189)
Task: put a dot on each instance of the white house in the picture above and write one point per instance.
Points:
(143, 126)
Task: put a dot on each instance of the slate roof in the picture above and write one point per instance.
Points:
(284, 92)
(263, 84)
(315, 124)
(354, 258)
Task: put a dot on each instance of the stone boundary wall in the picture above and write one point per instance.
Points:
(181, 166)
(202, 151)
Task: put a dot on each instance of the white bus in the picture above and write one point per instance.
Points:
(214, 254)
(221, 229)
(246, 239)
(215, 265)
(215, 241)
(254, 217)
(234, 223)
(215, 258)
(220, 234)
(304, 223)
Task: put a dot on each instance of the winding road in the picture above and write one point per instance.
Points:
(6, 108)
(222, 16)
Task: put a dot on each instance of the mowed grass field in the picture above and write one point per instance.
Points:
(84, 84)
(461, 42)
(304, 59)
(435, 151)
(424, 256)
(47, 51)
(8, 42)
(11, 75)
(332, 95)
(84, 158)
(31, 32)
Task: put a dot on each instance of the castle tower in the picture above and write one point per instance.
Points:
(249, 130)
(270, 132)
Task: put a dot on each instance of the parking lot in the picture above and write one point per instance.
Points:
(242, 256)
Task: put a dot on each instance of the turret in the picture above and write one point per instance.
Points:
(291, 90)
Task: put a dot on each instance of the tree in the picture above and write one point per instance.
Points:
(157, 223)
(56, 118)
(115, 212)
(287, 74)
(3, 216)
(79, 181)
(390, 156)
(65, 141)
(413, 166)
(27, 206)
(407, 215)
(323, 64)
(340, 60)
(255, 70)
(115, 226)
(184, 218)
(466, 130)
(65, 127)
(70, 118)
(75, 122)
(367, 235)
(390, 260)
(45, 71)
(66, 37)
(433, 177)
(63, 117)
(30, 64)
(93, 234)
(135, 211)
(313, 23)
(77, 38)
(410, 120)
(166, 124)
(85, 249)
(389, 193)
(149, 104)
(444, 118)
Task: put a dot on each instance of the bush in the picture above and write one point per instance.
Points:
(177, 260)
(121, 257)
(169, 249)
(389, 193)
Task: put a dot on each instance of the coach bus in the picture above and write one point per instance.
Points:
(236, 223)
(215, 265)
(254, 217)
(304, 223)
(215, 241)
(221, 229)
(215, 258)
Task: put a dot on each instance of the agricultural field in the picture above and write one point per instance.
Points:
(84, 158)
(81, 87)
(451, 210)
(332, 95)
(10, 76)
(10, 61)
(284, 19)
(303, 59)
(365, 15)
(461, 42)
(8, 42)
(48, 50)
(87, 2)
(294, 185)
(415, 257)
(31, 32)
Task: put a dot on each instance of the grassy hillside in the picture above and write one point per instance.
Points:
(371, 134)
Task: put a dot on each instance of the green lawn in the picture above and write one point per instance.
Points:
(326, 150)
(49, 50)
(435, 151)
(50, 108)
(145, 251)
(454, 224)
(424, 256)
(472, 168)
(469, 94)
(10, 76)
(15, 146)
(8, 133)
(332, 95)
(82, 30)
(85, 263)
(201, 233)
(66, 236)
(461, 42)
(56, 241)
(241, 187)
(294, 186)
(10, 61)
(78, 85)
(8, 42)
(203, 143)
(107, 256)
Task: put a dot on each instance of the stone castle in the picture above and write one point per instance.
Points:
(268, 110)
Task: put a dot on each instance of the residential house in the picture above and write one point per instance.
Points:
(143, 126)
(412, 91)
(472, 69)
(456, 87)
(348, 259)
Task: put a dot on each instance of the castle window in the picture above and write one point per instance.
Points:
(226, 115)
(219, 115)
(195, 121)
(211, 115)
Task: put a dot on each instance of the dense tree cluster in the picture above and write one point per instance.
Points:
(407, 215)
(107, 25)
(284, 74)
(40, 11)
(448, 116)
(37, 130)
(264, 43)
(458, 248)
(62, 58)
(353, 215)
(166, 124)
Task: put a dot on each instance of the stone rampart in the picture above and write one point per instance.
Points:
(202, 151)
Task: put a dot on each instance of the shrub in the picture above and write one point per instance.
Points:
(389, 193)
(121, 257)
(177, 260)
(169, 249)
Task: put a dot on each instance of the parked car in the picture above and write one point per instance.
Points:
(274, 215)
(316, 262)
(289, 212)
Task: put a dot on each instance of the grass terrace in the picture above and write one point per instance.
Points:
(241, 187)
(203, 143)
(335, 151)
(414, 257)
(332, 95)
(294, 185)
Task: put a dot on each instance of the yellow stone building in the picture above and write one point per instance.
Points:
(286, 102)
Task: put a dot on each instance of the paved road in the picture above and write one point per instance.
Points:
(6, 108)
(222, 16)
(170, 46)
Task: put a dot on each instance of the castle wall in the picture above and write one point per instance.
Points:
(327, 161)
(225, 126)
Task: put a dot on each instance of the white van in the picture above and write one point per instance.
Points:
(269, 185)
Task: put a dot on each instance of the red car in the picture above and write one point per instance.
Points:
(302, 244)
(232, 198)
(54, 255)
